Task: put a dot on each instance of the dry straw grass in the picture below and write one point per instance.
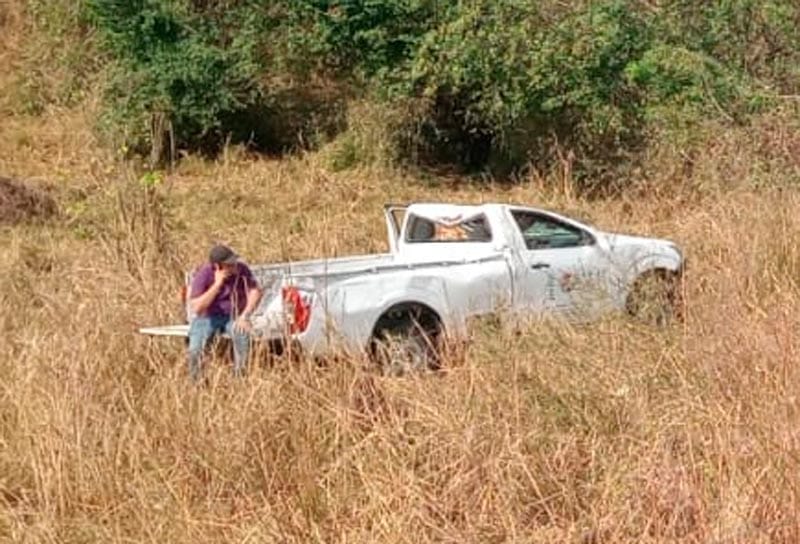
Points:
(611, 432)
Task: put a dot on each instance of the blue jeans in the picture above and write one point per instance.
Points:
(202, 330)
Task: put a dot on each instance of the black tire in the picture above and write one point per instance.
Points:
(655, 298)
(407, 341)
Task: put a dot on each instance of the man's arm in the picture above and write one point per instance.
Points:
(253, 298)
(204, 300)
(254, 293)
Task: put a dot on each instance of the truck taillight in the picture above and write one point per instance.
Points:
(298, 305)
(182, 294)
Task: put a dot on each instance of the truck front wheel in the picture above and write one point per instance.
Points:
(406, 340)
(655, 298)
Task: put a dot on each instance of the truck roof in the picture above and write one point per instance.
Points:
(443, 208)
(442, 211)
(447, 213)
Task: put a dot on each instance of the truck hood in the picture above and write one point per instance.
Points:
(625, 249)
(627, 241)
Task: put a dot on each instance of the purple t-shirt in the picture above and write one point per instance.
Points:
(232, 295)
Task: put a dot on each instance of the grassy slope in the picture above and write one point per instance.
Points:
(606, 433)
(612, 428)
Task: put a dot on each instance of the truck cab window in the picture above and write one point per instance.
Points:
(543, 232)
(473, 229)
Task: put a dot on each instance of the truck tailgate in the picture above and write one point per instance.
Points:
(166, 330)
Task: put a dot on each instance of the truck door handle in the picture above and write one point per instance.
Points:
(537, 266)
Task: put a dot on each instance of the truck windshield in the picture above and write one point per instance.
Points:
(472, 229)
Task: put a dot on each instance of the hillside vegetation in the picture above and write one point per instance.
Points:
(483, 86)
(606, 433)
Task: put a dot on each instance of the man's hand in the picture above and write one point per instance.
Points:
(243, 324)
(220, 275)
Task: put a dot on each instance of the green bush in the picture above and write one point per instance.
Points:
(524, 79)
(496, 84)
(757, 39)
(362, 40)
(177, 73)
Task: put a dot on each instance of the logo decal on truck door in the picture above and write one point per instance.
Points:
(567, 282)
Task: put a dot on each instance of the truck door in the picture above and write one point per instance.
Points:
(559, 260)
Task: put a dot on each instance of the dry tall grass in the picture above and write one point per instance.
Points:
(612, 432)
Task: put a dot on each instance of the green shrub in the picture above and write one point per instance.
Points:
(496, 84)
(176, 73)
(526, 78)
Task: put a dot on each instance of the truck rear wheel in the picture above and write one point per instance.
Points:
(406, 340)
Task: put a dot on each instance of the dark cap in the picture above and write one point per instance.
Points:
(222, 254)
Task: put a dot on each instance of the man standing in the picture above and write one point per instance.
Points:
(224, 293)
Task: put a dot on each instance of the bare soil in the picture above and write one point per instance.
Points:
(21, 203)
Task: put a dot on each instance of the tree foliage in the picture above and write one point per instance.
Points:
(504, 82)
(177, 66)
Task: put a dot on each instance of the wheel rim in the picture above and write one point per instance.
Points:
(405, 353)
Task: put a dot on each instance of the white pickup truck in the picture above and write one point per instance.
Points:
(449, 263)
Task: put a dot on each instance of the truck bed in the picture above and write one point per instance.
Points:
(360, 264)
(316, 267)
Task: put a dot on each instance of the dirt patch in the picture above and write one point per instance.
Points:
(20, 203)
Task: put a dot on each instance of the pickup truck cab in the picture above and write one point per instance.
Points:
(449, 263)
